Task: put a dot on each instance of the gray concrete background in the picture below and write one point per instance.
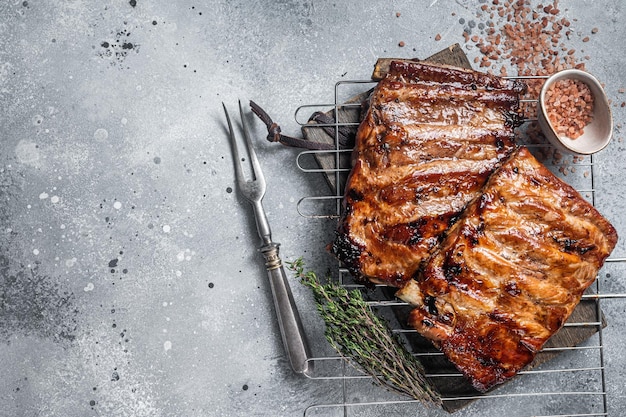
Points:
(130, 280)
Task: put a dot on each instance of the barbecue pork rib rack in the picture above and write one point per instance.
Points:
(430, 139)
(510, 272)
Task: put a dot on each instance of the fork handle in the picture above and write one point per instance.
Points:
(291, 329)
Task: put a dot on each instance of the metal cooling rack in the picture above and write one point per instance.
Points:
(584, 394)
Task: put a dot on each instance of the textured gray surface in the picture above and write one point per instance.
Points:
(130, 281)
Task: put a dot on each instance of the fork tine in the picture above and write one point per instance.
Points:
(235, 150)
(256, 167)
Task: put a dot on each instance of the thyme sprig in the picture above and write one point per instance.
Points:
(358, 333)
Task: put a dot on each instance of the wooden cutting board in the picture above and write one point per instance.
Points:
(449, 387)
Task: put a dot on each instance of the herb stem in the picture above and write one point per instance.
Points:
(358, 333)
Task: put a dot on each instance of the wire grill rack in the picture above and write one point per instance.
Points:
(572, 383)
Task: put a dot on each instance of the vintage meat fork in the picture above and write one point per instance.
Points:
(253, 190)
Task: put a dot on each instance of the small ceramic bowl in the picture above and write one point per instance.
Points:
(597, 133)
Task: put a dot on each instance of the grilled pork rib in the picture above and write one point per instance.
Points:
(510, 271)
(430, 139)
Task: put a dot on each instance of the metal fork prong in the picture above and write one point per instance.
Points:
(233, 142)
(252, 190)
(256, 167)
